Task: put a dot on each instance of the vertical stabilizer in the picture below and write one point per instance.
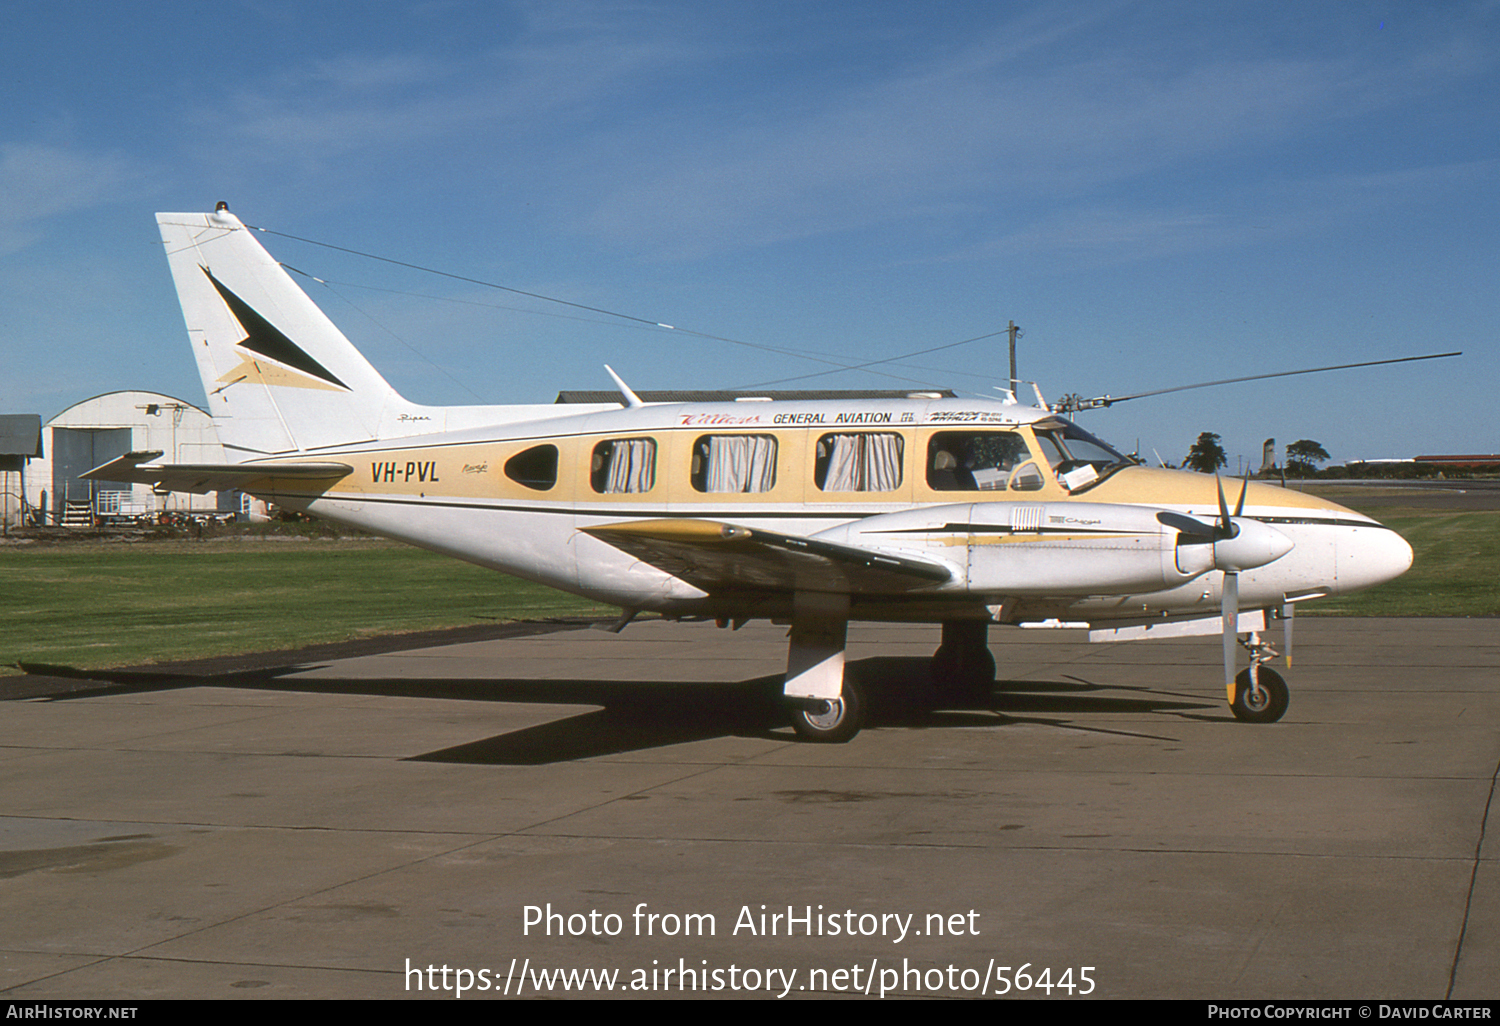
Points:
(280, 377)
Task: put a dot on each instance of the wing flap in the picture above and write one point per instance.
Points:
(716, 556)
(137, 468)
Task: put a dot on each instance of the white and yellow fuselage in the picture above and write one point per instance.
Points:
(454, 494)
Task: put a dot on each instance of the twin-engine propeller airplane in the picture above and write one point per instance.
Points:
(963, 512)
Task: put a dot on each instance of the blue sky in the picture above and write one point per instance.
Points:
(1158, 193)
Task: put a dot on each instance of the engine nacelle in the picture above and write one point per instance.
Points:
(1030, 548)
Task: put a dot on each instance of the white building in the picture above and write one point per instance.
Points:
(98, 430)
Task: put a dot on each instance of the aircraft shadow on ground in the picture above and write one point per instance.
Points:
(636, 716)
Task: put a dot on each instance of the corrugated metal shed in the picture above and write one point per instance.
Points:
(729, 397)
(97, 430)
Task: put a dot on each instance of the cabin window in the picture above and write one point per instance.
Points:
(864, 462)
(535, 467)
(734, 463)
(970, 461)
(623, 465)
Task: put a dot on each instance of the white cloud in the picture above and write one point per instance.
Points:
(353, 118)
(39, 181)
(990, 129)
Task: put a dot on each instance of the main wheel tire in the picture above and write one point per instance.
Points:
(1266, 707)
(835, 722)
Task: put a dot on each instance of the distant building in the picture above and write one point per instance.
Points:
(1268, 465)
(1490, 461)
(100, 429)
(20, 443)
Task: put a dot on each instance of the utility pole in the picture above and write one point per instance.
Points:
(1015, 333)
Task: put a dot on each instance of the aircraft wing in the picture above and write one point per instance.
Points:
(137, 468)
(716, 556)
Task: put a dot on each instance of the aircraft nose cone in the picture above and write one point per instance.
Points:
(1370, 556)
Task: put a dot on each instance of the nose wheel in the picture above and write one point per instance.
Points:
(1260, 693)
(1259, 701)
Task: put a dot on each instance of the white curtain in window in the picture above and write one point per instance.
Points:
(864, 463)
(632, 466)
(741, 463)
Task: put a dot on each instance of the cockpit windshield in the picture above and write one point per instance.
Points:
(1069, 447)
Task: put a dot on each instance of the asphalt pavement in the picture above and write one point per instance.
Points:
(480, 820)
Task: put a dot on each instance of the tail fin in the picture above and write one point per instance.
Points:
(279, 376)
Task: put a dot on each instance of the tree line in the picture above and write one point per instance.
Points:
(1302, 457)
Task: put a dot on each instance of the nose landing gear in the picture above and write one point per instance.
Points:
(1260, 694)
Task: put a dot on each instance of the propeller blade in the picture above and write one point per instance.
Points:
(1225, 526)
(1287, 612)
(1231, 610)
(1190, 527)
(1239, 507)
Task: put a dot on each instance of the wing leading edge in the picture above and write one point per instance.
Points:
(716, 556)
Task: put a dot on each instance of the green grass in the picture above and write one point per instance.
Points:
(92, 605)
(99, 605)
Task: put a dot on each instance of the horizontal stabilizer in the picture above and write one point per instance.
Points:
(716, 557)
(137, 468)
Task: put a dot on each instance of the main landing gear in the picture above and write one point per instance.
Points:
(828, 706)
(825, 705)
(831, 720)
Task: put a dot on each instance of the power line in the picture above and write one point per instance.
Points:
(837, 365)
(876, 363)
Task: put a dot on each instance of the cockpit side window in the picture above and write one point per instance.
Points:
(1027, 478)
(1070, 447)
(972, 461)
